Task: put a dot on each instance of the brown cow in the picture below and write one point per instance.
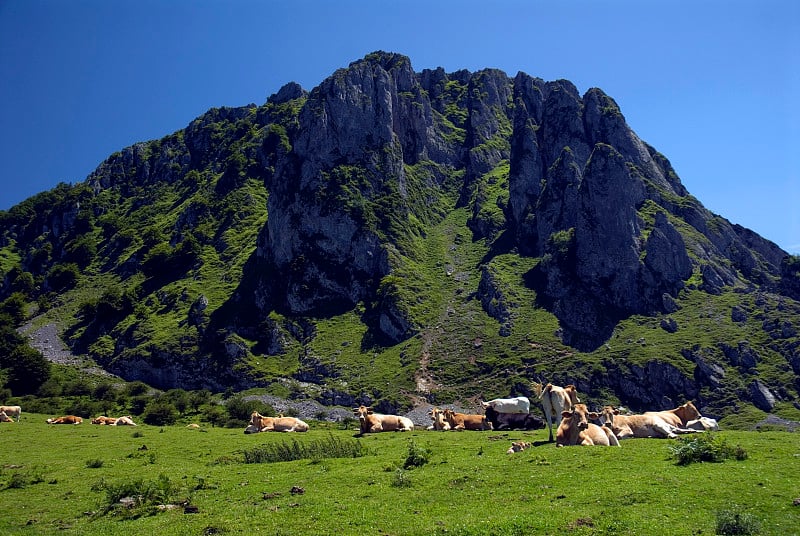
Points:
(555, 401)
(679, 416)
(11, 411)
(103, 420)
(575, 429)
(370, 422)
(259, 423)
(465, 421)
(66, 419)
(628, 426)
(439, 423)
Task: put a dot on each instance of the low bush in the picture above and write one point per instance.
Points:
(731, 523)
(417, 455)
(706, 447)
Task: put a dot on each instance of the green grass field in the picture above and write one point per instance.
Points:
(59, 480)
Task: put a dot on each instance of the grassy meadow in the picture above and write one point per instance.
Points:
(67, 480)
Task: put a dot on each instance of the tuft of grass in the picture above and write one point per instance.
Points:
(417, 455)
(706, 447)
(330, 447)
(734, 522)
(401, 479)
(95, 463)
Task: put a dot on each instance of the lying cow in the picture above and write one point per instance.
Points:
(66, 419)
(125, 420)
(555, 401)
(679, 416)
(645, 425)
(439, 422)
(513, 421)
(11, 411)
(103, 420)
(370, 423)
(519, 404)
(575, 429)
(703, 424)
(259, 423)
(465, 421)
(4, 417)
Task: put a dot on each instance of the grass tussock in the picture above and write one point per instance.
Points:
(138, 497)
(706, 447)
(286, 451)
(733, 523)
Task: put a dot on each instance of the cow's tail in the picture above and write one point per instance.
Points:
(546, 390)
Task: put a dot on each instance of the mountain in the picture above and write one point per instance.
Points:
(393, 234)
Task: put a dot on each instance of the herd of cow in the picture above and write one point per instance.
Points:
(574, 423)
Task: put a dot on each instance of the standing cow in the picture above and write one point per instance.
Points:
(555, 401)
(11, 411)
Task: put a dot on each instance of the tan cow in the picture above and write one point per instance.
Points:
(518, 446)
(679, 416)
(103, 420)
(465, 421)
(11, 411)
(4, 417)
(66, 419)
(575, 429)
(125, 420)
(555, 401)
(439, 422)
(370, 422)
(259, 423)
(628, 426)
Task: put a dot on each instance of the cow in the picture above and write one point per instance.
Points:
(4, 417)
(193, 426)
(66, 419)
(12, 411)
(439, 422)
(679, 416)
(555, 401)
(513, 421)
(575, 429)
(628, 426)
(103, 420)
(465, 421)
(519, 404)
(259, 423)
(518, 446)
(125, 420)
(703, 424)
(370, 422)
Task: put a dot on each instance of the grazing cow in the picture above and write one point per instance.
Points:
(259, 423)
(125, 420)
(66, 419)
(679, 416)
(4, 417)
(645, 425)
(370, 422)
(102, 419)
(513, 421)
(464, 421)
(575, 429)
(518, 446)
(703, 424)
(12, 411)
(555, 401)
(519, 404)
(439, 422)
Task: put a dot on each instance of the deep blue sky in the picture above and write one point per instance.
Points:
(712, 84)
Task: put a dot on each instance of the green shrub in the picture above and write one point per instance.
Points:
(706, 447)
(160, 413)
(417, 455)
(730, 523)
(138, 496)
(401, 479)
(94, 464)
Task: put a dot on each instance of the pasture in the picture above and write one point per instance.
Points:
(62, 479)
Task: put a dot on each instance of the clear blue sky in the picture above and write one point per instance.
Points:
(712, 84)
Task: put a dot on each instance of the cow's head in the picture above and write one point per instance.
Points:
(572, 392)
(688, 412)
(361, 412)
(606, 416)
(579, 416)
(255, 419)
(4, 417)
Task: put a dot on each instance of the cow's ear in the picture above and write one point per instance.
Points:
(594, 415)
(566, 414)
(616, 412)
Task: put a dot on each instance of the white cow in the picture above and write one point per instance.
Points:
(12, 411)
(555, 401)
(519, 404)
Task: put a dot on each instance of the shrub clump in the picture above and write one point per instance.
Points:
(331, 447)
(731, 523)
(417, 456)
(706, 447)
(137, 497)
